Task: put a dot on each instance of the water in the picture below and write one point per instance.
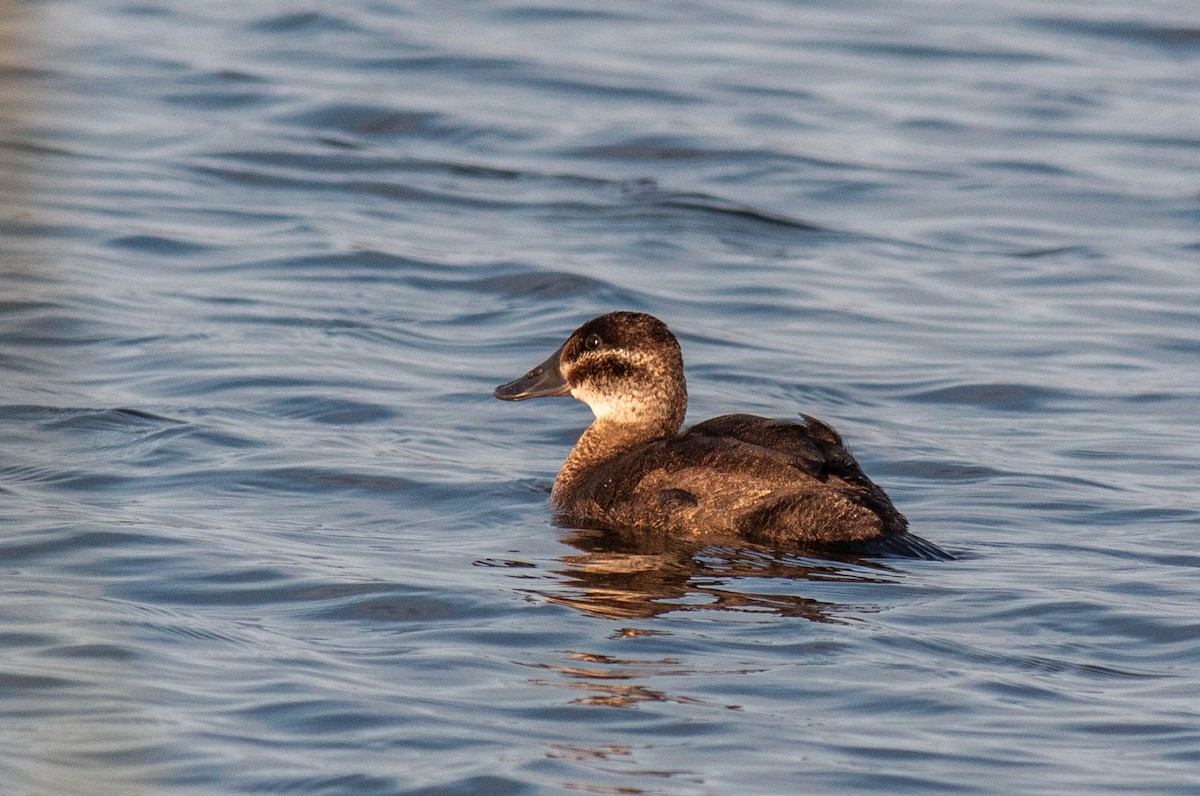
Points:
(265, 530)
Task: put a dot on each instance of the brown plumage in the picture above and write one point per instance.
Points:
(769, 481)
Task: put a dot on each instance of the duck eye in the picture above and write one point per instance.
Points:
(592, 342)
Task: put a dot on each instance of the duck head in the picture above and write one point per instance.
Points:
(626, 366)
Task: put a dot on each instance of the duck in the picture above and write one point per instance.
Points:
(774, 482)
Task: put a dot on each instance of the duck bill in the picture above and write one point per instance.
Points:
(541, 382)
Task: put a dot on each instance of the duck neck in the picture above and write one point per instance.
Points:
(605, 439)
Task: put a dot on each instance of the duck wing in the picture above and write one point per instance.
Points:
(812, 447)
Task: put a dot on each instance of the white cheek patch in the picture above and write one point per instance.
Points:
(616, 404)
(617, 408)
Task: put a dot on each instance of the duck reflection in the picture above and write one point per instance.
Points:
(633, 573)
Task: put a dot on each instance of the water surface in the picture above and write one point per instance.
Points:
(265, 530)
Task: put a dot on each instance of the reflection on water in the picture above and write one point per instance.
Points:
(616, 758)
(608, 681)
(623, 574)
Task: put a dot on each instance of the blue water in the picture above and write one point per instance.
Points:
(263, 528)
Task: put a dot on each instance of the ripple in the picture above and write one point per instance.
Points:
(392, 608)
(368, 120)
(53, 544)
(247, 585)
(1009, 397)
(99, 652)
(263, 266)
(86, 419)
(17, 683)
(929, 52)
(159, 245)
(1170, 37)
(716, 206)
(314, 22)
(332, 411)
